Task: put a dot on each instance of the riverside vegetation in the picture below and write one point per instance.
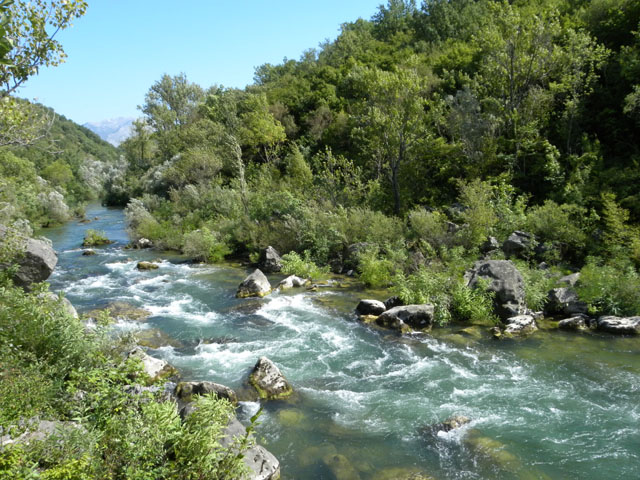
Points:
(396, 152)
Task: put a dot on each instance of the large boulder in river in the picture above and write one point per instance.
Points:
(370, 307)
(268, 380)
(255, 285)
(270, 261)
(35, 263)
(564, 301)
(619, 325)
(505, 280)
(417, 317)
(519, 244)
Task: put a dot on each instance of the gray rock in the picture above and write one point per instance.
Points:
(185, 390)
(505, 280)
(520, 325)
(143, 243)
(35, 264)
(340, 467)
(619, 325)
(578, 322)
(270, 261)
(351, 256)
(564, 301)
(262, 464)
(519, 244)
(255, 285)
(571, 279)
(38, 430)
(489, 245)
(154, 367)
(267, 379)
(292, 282)
(88, 252)
(64, 303)
(392, 302)
(370, 307)
(417, 317)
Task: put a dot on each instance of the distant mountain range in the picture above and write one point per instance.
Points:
(114, 130)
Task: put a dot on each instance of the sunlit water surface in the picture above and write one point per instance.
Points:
(557, 405)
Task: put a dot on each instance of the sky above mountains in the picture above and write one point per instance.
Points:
(120, 48)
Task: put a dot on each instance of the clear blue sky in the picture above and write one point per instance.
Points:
(121, 47)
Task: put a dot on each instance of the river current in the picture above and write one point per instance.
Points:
(557, 405)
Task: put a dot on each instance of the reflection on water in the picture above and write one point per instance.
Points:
(557, 405)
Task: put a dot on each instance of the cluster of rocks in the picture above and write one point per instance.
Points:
(257, 284)
(391, 315)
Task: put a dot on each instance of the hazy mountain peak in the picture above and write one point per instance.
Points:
(113, 130)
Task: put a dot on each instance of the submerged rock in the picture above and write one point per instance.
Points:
(35, 264)
(255, 285)
(88, 252)
(267, 379)
(340, 467)
(619, 325)
(400, 473)
(186, 390)
(505, 281)
(416, 317)
(121, 311)
(370, 307)
(155, 338)
(270, 261)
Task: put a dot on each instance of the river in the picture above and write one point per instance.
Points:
(556, 405)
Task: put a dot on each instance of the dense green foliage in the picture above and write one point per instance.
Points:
(425, 129)
(53, 367)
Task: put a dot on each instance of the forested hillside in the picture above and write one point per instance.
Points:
(47, 179)
(418, 133)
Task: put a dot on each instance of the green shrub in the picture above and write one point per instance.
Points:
(426, 286)
(294, 264)
(551, 222)
(374, 271)
(95, 238)
(205, 246)
(537, 284)
(473, 305)
(430, 227)
(609, 289)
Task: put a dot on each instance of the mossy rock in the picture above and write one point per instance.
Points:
(88, 253)
(267, 379)
(94, 238)
(368, 319)
(312, 455)
(123, 311)
(147, 266)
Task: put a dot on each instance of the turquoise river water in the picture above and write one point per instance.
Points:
(554, 406)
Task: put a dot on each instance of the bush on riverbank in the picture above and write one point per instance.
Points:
(54, 368)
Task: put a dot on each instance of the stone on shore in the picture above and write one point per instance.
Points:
(155, 368)
(370, 307)
(292, 282)
(578, 322)
(255, 285)
(186, 390)
(415, 317)
(35, 264)
(519, 244)
(519, 326)
(564, 301)
(505, 281)
(619, 325)
(270, 261)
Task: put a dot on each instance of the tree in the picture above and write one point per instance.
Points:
(29, 29)
(392, 120)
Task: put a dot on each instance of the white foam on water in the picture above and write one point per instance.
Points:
(83, 287)
(129, 326)
(249, 408)
(185, 308)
